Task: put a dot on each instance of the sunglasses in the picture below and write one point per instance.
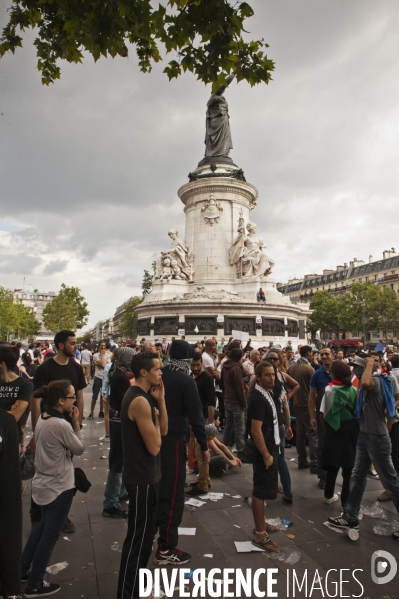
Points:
(70, 397)
(274, 359)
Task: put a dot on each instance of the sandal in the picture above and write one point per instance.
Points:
(267, 544)
(270, 528)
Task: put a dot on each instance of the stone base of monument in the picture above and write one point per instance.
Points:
(205, 310)
(206, 284)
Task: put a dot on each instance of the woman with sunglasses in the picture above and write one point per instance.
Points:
(54, 481)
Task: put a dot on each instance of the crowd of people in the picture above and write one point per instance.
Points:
(215, 404)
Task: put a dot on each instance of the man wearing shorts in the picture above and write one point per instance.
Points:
(264, 430)
(86, 359)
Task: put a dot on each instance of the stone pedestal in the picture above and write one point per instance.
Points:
(216, 298)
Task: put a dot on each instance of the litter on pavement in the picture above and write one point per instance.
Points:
(187, 531)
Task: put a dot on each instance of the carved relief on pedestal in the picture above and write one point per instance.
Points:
(293, 328)
(273, 326)
(212, 211)
(166, 325)
(247, 254)
(200, 292)
(205, 325)
(175, 263)
(246, 325)
(143, 326)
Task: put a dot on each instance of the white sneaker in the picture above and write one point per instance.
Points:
(331, 500)
(104, 438)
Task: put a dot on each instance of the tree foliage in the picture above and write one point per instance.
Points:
(146, 285)
(128, 322)
(206, 36)
(364, 307)
(16, 320)
(68, 310)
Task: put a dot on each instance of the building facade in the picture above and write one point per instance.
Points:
(384, 272)
(35, 301)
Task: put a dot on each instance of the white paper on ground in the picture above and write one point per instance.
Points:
(66, 539)
(195, 502)
(210, 555)
(213, 496)
(55, 568)
(187, 531)
(236, 496)
(246, 547)
(235, 506)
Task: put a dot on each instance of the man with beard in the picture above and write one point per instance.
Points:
(62, 366)
(183, 406)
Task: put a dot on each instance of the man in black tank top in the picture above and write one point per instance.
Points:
(144, 421)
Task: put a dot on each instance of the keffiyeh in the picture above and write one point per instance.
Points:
(268, 398)
(181, 354)
(123, 358)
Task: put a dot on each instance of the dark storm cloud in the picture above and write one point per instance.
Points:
(90, 166)
(55, 266)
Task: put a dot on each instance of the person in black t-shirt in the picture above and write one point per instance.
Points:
(264, 429)
(10, 508)
(62, 366)
(119, 381)
(15, 391)
(143, 425)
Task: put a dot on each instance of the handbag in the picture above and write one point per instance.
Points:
(248, 451)
(27, 463)
(82, 483)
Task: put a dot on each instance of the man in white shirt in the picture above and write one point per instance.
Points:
(100, 360)
(208, 361)
(86, 358)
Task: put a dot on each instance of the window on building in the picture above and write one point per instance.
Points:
(375, 277)
(376, 334)
(392, 287)
(395, 332)
(355, 334)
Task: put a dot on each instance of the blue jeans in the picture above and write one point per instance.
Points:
(320, 446)
(114, 489)
(43, 538)
(234, 420)
(97, 385)
(282, 466)
(371, 449)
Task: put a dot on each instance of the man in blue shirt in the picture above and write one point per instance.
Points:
(319, 381)
(260, 295)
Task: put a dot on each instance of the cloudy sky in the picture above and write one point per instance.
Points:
(90, 166)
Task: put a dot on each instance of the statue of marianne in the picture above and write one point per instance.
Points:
(218, 140)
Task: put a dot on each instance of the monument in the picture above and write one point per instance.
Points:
(207, 284)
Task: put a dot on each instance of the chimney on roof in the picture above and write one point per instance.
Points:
(370, 259)
(388, 253)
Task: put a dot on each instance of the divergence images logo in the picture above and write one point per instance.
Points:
(381, 566)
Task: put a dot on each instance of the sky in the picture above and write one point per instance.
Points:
(90, 166)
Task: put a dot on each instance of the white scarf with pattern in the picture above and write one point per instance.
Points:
(268, 398)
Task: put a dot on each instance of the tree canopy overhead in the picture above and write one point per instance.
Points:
(206, 36)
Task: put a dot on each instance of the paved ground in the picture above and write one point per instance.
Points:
(93, 551)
